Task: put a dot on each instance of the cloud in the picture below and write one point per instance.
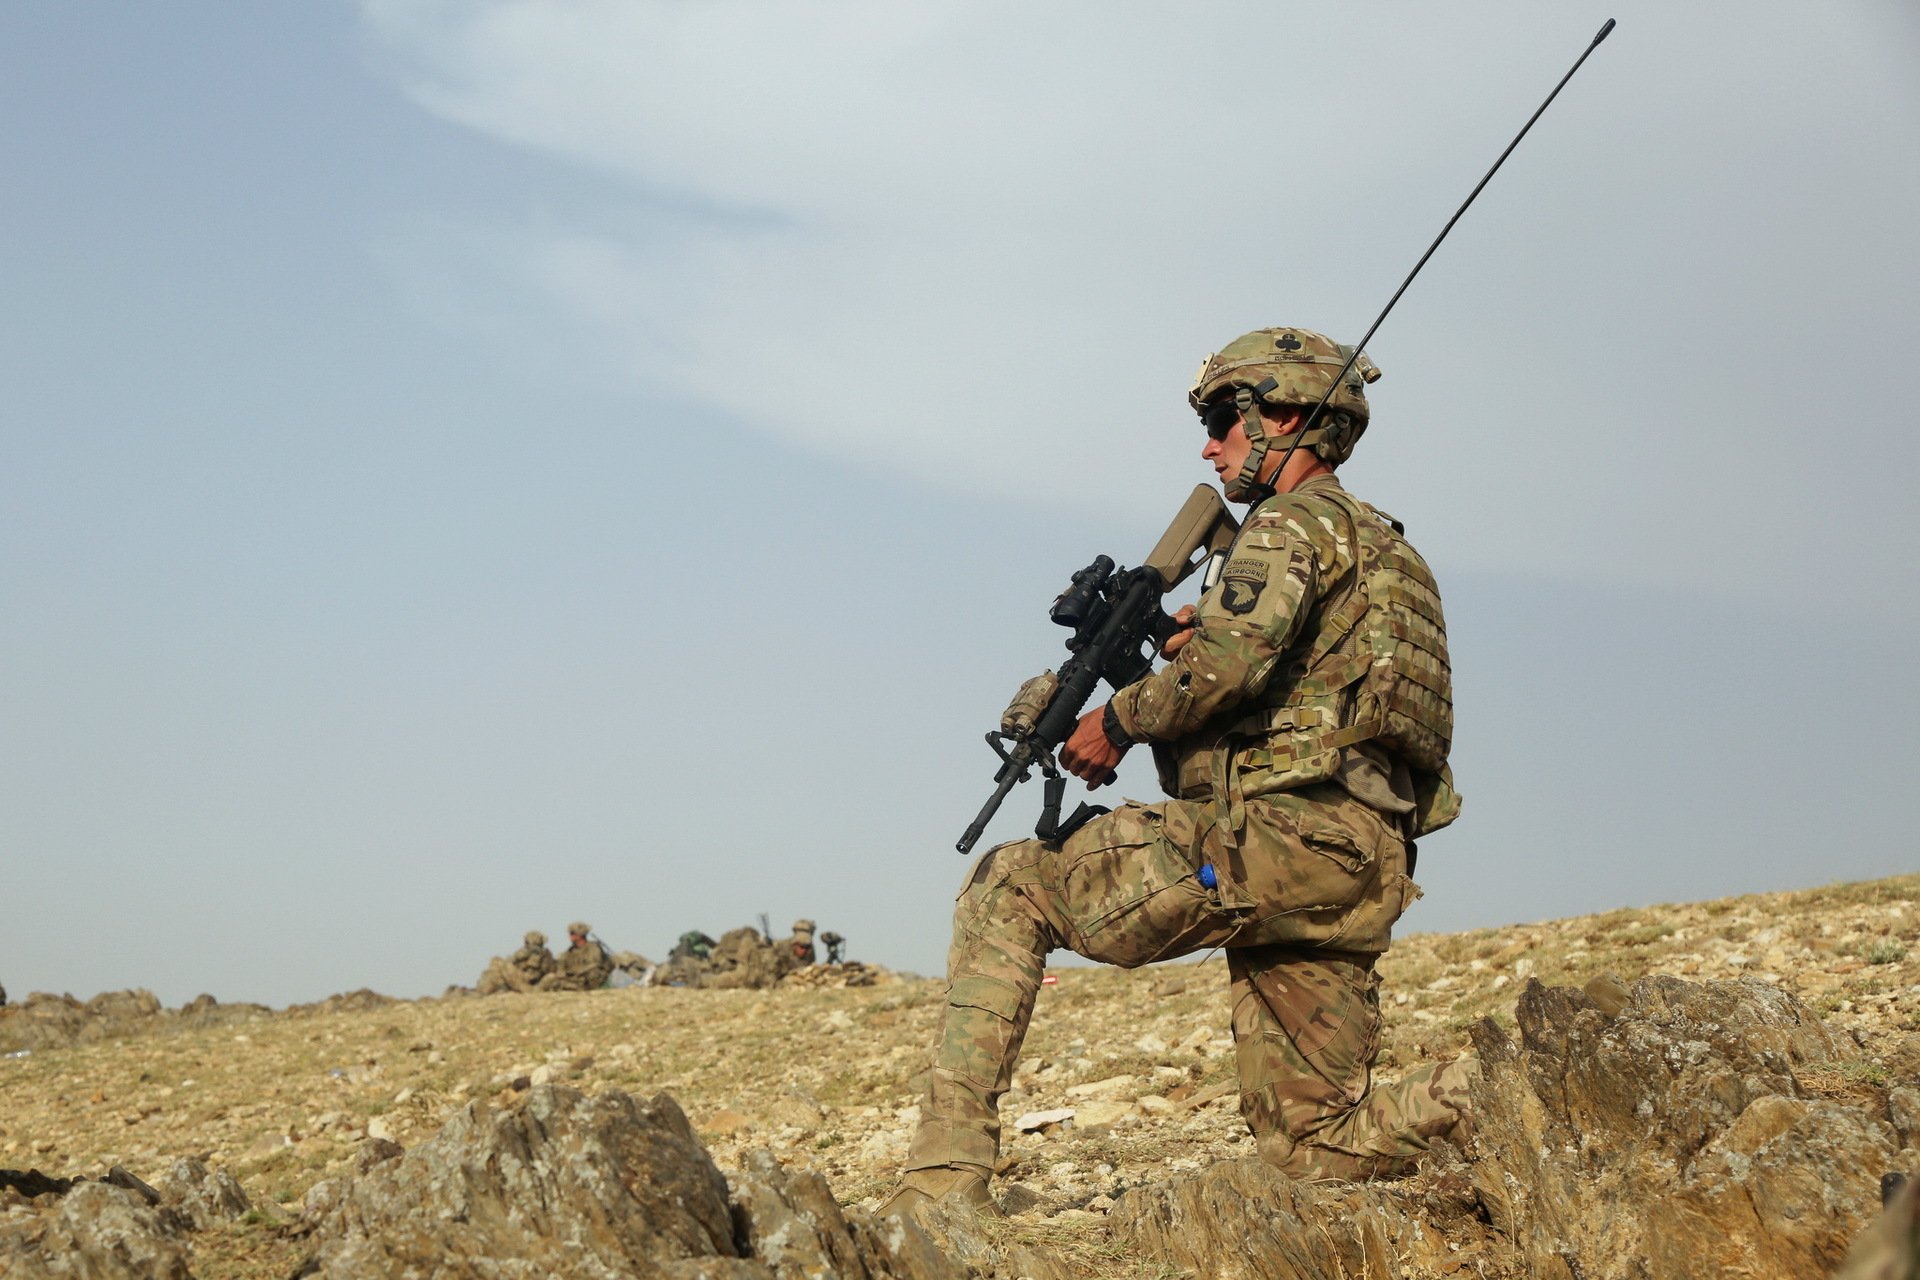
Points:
(985, 244)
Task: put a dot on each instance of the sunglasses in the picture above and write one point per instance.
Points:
(1219, 418)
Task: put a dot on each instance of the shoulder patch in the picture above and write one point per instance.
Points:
(1241, 584)
(1238, 596)
(1249, 569)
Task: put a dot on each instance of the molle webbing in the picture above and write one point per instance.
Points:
(1376, 669)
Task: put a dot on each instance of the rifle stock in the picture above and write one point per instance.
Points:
(1203, 523)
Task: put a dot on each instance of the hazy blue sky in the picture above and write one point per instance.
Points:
(466, 466)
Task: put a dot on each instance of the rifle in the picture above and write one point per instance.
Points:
(1118, 626)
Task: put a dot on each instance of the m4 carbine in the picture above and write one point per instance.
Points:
(1118, 626)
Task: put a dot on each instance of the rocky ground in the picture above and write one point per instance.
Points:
(1771, 1061)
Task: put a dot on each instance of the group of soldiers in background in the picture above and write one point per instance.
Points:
(744, 957)
(585, 965)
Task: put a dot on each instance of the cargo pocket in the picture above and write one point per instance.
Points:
(1128, 895)
(1339, 844)
(1313, 867)
(978, 991)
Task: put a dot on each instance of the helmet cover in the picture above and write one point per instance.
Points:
(1289, 368)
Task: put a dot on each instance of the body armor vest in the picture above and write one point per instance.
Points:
(1370, 665)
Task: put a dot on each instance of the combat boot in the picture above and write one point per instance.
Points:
(962, 1185)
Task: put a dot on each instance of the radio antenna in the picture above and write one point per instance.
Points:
(1264, 491)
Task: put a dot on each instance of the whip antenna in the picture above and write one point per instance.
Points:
(1264, 491)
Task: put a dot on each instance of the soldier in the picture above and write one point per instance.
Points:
(1301, 725)
(521, 971)
(693, 945)
(799, 948)
(583, 966)
(745, 959)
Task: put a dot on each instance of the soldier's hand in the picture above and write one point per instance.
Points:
(1184, 616)
(1088, 753)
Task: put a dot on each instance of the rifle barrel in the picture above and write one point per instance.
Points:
(1008, 777)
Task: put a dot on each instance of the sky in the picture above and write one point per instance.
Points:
(466, 467)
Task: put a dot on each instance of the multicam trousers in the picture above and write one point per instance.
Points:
(1306, 893)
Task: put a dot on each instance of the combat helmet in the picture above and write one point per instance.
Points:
(580, 927)
(803, 928)
(1286, 367)
(535, 938)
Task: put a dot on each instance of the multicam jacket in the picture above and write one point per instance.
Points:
(586, 967)
(533, 963)
(1320, 654)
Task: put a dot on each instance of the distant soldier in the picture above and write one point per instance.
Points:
(688, 964)
(584, 966)
(743, 958)
(521, 971)
(799, 952)
(693, 945)
(836, 946)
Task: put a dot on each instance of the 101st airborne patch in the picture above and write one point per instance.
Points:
(1241, 584)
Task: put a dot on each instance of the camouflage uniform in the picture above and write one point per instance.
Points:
(1890, 1248)
(1267, 727)
(583, 966)
(521, 971)
(744, 959)
(799, 947)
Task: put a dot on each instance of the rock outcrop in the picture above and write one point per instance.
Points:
(1244, 1220)
(116, 1228)
(1671, 1138)
(1674, 1138)
(567, 1185)
(47, 1021)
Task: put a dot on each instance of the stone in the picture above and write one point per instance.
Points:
(101, 1232)
(1111, 1087)
(1039, 1121)
(575, 1187)
(1245, 1220)
(1102, 1113)
(1903, 1110)
(1683, 1107)
(793, 1226)
(725, 1123)
(205, 1197)
(973, 1248)
(269, 1143)
(1666, 1135)
(795, 1111)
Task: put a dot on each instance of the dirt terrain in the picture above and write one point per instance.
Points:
(824, 1078)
